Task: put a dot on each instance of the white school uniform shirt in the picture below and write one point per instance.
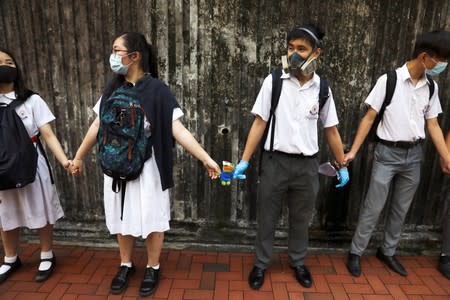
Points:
(404, 118)
(297, 114)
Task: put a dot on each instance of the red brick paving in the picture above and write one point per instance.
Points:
(86, 273)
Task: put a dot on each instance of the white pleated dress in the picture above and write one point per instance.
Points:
(37, 204)
(146, 206)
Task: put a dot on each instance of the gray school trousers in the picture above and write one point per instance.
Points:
(392, 165)
(295, 178)
(446, 228)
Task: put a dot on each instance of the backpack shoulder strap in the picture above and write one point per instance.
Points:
(391, 81)
(277, 84)
(430, 86)
(324, 93)
(276, 92)
(276, 89)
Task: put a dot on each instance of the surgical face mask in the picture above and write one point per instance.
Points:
(296, 64)
(115, 62)
(438, 68)
(7, 74)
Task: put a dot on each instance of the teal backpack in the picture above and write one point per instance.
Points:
(123, 146)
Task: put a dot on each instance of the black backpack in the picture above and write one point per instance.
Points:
(391, 81)
(18, 155)
(277, 84)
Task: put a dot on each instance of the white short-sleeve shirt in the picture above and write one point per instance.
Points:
(297, 114)
(34, 112)
(404, 118)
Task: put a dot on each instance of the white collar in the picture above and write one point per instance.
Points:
(10, 95)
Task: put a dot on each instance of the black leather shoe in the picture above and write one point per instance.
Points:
(150, 282)
(44, 275)
(354, 264)
(392, 263)
(120, 281)
(256, 278)
(13, 266)
(303, 276)
(444, 266)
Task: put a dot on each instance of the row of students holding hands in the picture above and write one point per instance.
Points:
(289, 165)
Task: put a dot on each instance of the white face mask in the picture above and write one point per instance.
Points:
(115, 62)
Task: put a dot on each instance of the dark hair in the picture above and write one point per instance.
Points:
(310, 32)
(136, 42)
(434, 43)
(22, 93)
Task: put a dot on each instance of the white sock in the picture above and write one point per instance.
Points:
(128, 264)
(10, 260)
(45, 265)
(154, 267)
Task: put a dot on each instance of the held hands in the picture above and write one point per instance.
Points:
(67, 164)
(349, 156)
(212, 167)
(76, 167)
(240, 169)
(343, 177)
(445, 165)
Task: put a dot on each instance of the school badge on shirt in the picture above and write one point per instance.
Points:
(313, 112)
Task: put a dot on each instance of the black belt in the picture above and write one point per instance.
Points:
(401, 144)
(293, 155)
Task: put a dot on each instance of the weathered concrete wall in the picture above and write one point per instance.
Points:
(214, 55)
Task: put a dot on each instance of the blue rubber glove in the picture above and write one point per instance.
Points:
(343, 177)
(240, 169)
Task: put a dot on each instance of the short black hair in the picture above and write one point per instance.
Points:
(434, 43)
(310, 32)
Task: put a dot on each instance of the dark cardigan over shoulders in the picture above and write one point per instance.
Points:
(158, 104)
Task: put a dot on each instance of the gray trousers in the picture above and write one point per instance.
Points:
(401, 168)
(446, 228)
(297, 178)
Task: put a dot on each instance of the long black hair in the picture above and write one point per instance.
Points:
(22, 92)
(135, 42)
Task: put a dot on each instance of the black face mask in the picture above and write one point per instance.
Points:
(7, 74)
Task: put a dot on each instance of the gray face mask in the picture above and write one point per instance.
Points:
(296, 64)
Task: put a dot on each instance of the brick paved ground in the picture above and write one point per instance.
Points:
(86, 273)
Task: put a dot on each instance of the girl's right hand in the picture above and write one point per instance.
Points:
(76, 168)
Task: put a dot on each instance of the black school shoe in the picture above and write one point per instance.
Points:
(391, 262)
(256, 278)
(150, 282)
(13, 266)
(44, 275)
(120, 281)
(354, 264)
(303, 276)
(444, 266)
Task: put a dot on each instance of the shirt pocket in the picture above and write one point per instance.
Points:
(421, 106)
(312, 110)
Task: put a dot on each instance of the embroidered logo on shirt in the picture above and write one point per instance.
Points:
(314, 112)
